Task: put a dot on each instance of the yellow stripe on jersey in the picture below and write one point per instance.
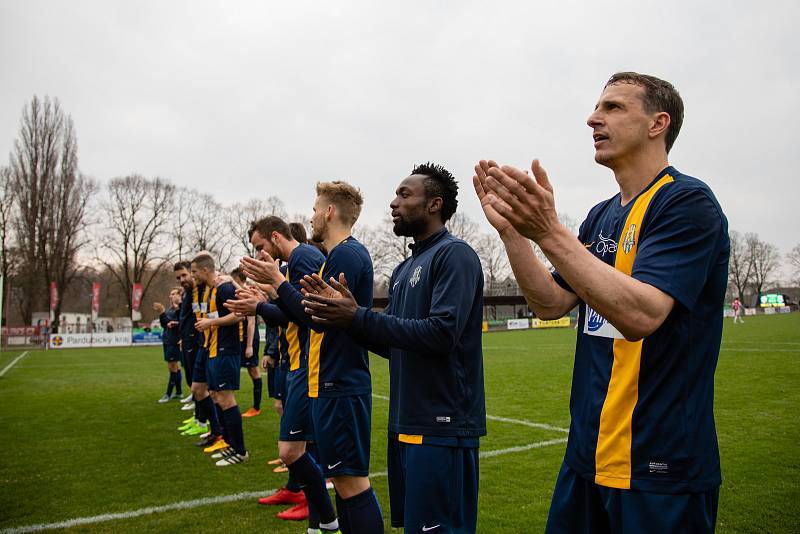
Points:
(213, 332)
(614, 437)
(293, 338)
(414, 439)
(203, 314)
(314, 347)
(241, 331)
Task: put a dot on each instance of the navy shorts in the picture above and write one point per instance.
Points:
(199, 373)
(172, 353)
(223, 373)
(433, 488)
(342, 433)
(281, 371)
(187, 361)
(580, 505)
(296, 419)
(271, 382)
(252, 361)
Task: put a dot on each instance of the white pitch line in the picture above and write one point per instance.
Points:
(526, 423)
(186, 505)
(15, 360)
(505, 419)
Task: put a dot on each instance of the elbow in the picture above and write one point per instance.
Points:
(640, 327)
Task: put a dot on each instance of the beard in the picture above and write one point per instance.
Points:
(317, 234)
(410, 228)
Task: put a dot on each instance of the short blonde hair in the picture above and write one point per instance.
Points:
(347, 199)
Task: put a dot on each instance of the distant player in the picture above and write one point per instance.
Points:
(339, 384)
(271, 237)
(168, 318)
(223, 353)
(737, 311)
(249, 338)
(186, 331)
(431, 333)
(642, 454)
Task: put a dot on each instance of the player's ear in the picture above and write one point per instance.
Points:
(435, 205)
(659, 124)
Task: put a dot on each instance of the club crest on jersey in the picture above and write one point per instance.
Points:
(630, 239)
(415, 276)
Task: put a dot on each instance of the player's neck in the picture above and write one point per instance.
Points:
(336, 234)
(286, 248)
(635, 174)
(434, 225)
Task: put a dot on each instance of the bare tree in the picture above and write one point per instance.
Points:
(793, 259)
(52, 199)
(492, 252)
(461, 226)
(765, 258)
(740, 266)
(387, 249)
(8, 256)
(137, 212)
(180, 223)
(275, 206)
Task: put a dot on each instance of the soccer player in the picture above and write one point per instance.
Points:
(431, 333)
(223, 352)
(187, 332)
(249, 338)
(339, 384)
(642, 454)
(271, 237)
(737, 310)
(169, 324)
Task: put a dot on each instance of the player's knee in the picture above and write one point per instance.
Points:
(350, 486)
(290, 451)
(254, 372)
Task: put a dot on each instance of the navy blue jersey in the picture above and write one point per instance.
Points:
(431, 332)
(222, 340)
(642, 412)
(304, 260)
(337, 364)
(171, 335)
(189, 313)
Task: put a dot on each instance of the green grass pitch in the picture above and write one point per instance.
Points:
(83, 436)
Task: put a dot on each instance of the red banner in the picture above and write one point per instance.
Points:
(53, 296)
(136, 297)
(95, 300)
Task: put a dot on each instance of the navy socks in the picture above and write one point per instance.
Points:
(309, 476)
(258, 385)
(360, 514)
(232, 422)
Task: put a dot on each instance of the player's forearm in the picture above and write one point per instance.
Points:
(251, 329)
(432, 335)
(291, 302)
(225, 321)
(544, 296)
(271, 314)
(636, 309)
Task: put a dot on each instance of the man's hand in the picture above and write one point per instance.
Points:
(172, 324)
(268, 361)
(158, 307)
(315, 285)
(248, 352)
(263, 270)
(204, 324)
(278, 406)
(526, 203)
(500, 223)
(334, 311)
(246, 302)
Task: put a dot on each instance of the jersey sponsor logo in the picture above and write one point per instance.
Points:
(597, 325)
(443, 419)
(415, 276)
(605, 244)
(630, 239)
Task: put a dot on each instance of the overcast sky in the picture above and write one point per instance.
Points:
(250, 99)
